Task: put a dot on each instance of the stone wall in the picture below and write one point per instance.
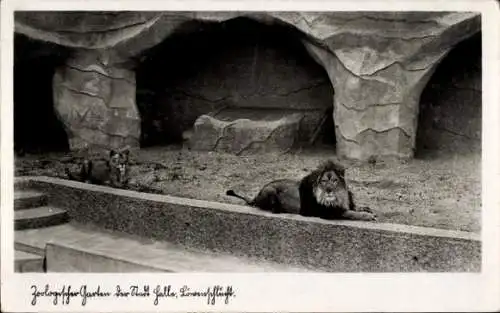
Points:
(377, 62)
(95, 99)
(450, 105)
(290, 239)
(239, 63)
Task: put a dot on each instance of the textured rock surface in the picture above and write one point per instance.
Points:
(132, 32)
(378, 86)
(262, 133)
(378, 63)
(244, 64)
(95, 100)
(450, 108)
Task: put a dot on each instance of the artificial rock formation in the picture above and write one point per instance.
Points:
(450, 115)
(378, 64)
(378, 86)
(246, 69)
(245, 136)
(95, 100)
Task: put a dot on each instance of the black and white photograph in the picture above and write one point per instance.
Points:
(246, 141)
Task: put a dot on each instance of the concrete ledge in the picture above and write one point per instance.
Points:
(61, 258)
(27, 263)
(340, 246)
(112, 252)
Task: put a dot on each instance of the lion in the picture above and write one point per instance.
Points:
(279, 196)
(112, 171)
(323, 193)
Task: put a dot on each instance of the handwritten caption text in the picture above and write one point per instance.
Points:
(66, 293)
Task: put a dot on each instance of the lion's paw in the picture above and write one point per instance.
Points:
(365, 209)
(368, 216)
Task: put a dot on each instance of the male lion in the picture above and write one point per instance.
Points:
(323, 193)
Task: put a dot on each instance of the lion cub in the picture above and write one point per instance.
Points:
(111, 172)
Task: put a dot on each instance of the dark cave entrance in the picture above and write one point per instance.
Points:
(451, 103)
(240, 64)
(36, 126)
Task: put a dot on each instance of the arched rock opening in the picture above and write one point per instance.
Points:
(237, 69)
(36, 126)
(451, 103)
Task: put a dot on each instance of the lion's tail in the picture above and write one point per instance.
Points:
(233, 194)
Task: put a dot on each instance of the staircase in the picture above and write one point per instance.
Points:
(46, 242)
(33, 212)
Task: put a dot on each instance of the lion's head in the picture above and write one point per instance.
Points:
(329, 187)
(118, 163)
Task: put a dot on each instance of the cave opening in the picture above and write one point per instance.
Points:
(241, 65)
(37, 128)
(451, 104)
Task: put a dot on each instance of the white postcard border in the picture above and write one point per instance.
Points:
(273, 291)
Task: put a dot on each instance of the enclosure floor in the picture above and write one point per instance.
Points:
(440, 189)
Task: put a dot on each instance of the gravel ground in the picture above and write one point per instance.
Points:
(440, 190)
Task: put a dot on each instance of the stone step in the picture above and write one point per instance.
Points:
(25, 262)
(39, 217)
(27, 199)
(78, 248)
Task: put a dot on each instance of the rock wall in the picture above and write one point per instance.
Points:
(378, 86)
(95, 99)
(238, 63)
(450, 106)
(378, 64)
